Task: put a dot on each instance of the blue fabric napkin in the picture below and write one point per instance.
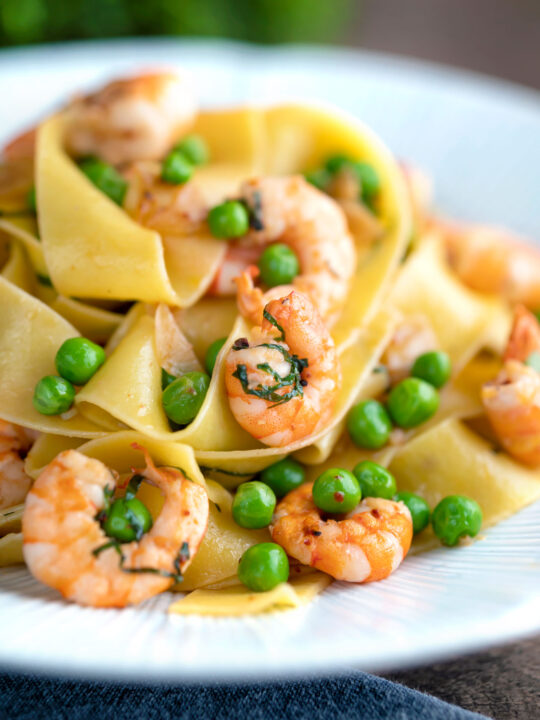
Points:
(359, 696)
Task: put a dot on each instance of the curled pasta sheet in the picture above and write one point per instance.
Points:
(235, 601)
(45, 449)
(10, 519)
(30, 335)
(17, 269)
(26, 269)
(235, 140)
(224, 542)
(109, 255)
(451, 459)
(11, 549)
(463, 321)
(127, 390)
(300, 138)
(25, 230)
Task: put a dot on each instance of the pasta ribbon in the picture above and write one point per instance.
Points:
(463, 321)
(300, 138)
(450, 459)
(30, 335)
(11, 549)
(109, 255)
(236, 601)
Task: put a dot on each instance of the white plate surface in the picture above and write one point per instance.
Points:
(480, 139)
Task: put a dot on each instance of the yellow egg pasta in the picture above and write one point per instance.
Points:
(464, 321)
(30, 335)
(85, 268)
(11, 549)
(236, 601)
(109, 255)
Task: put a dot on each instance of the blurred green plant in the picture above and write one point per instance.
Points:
(264, 21)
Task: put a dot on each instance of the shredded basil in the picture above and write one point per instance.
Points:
(108, 493)
(44, 280)
(270, 392)
(256, 212)
(272, 320)
(133, 486)
(182, 556)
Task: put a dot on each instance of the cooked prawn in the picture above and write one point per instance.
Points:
(65, 547)
(170, 209)
(420, 190)
(14, 482)
(290, 210)
(512, 400)
(282, 382)
(412, 337)
(238, 258)
(494, 261)
(368, 544)
(138, 118)
(365, 226)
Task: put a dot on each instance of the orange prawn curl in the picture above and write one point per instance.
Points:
(14, 482)
(282, 382)
(65, 547)
(138, 118)
(494, 261)
(367, 544)
(291, 211)
(512, 400)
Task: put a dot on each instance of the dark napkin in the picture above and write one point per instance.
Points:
(359, 696)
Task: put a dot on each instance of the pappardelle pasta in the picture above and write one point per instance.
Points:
(242, 355)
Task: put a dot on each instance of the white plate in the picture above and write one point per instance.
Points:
(480, 139)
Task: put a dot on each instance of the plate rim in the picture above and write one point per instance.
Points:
(524, 96)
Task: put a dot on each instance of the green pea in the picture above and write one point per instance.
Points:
(319, 178)
(456, 516)
(230, 219)
(263, 566)
(176, 168)
(533, 360)
(433, 367)
(537, 313)
(78, 359)
(253, 505)
(412, 401)
(337, 163)
(374, 480)
(194, 148)
(369, 425)
(182, 399)
(166, 378)
(127, 520)
(212, 353)
(278, 265)
(31, 200)
(368, 177)
(418, 508)
(336, 491)
(284, 476)
(106, 178)
(53, 395)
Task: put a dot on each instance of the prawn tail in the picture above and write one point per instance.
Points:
(250, 299)
(524, 337)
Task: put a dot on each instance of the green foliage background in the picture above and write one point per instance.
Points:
(265, 21)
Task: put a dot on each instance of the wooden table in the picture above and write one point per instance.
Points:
(503, 683)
